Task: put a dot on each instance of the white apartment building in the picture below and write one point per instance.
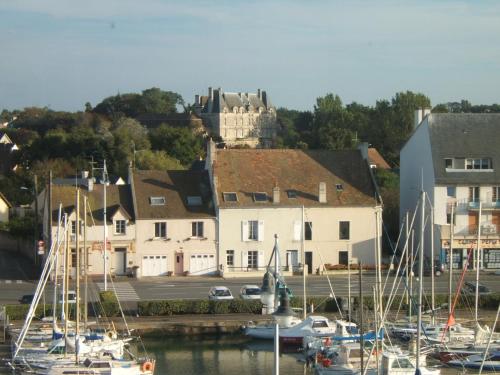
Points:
(327, 198)
(457, 159)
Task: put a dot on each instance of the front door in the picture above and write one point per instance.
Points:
(120, 260)
(309, 261)
(179, 263)
(343, 257)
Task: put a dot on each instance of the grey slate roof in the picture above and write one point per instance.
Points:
(465, 135)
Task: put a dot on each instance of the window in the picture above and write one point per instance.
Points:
(161, 230)
(230, 258)
(253, 230)
(448, 218)
(484, 163)
(292, 194)
(344, 230)
(260, 197)
(474, 194)
(157, 201)
(230, 197)
(197, 229)
(73, 226)
(339, 187)
(495, 195)
(194, 200)
(308, 230)
(448, 163)
(253, 259)
(120, 226)
(451, 191)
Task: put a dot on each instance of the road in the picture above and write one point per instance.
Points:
(159, 288)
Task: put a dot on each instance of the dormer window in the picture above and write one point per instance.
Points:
(339, 187)
(479, 163)
(157, 201)
(292, 194)
(194, 200)
(230, 197)
(260, 197)
(448, 163)
(120, 227)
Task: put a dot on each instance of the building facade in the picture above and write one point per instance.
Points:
(322, 205)
(456, 159)
(238, 118)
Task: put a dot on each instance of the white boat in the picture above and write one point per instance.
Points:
(316, 326)
(474, 361)
(393, 362)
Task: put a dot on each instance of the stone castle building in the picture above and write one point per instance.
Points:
(238, 118)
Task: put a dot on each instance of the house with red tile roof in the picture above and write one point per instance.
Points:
(322, 204)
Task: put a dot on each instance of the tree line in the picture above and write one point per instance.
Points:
(67, 142)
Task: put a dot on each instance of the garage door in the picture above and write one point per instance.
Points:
(202, 264)
(154, 265)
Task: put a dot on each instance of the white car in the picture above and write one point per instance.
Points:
(219, 293)
(250, 292)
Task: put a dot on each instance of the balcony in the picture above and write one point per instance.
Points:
(473, 205)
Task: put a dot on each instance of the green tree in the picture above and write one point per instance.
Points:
(154, 100)
(179, 143)
(159, 160)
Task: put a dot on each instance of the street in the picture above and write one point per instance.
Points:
(160, 288)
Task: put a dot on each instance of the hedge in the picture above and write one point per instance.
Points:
(109, 307)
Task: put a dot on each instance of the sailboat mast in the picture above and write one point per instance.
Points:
(361, 331)
(85, 263)
(66, 282)
(105, 225)
(77, 275)
(450, 261)
(304, 304)
(478, 258)
(420, 277)
(432, 264)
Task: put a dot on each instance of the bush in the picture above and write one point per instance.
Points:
(179, 307)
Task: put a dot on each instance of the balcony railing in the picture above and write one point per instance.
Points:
(473, 205)
(486, 230)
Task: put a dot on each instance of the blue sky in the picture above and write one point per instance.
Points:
(61, 54)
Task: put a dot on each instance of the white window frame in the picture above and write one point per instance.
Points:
(230, 256)
(120, 227)
(160, 226)
(253, 259)
(197, 229)
(157, 201)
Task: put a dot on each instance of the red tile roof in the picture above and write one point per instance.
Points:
(248, 171)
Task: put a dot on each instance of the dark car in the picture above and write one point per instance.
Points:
(27, 298)
(470, 288)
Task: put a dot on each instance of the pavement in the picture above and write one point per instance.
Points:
(14, 266)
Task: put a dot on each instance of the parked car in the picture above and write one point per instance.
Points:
(250, 292)
(27, 298)
(71, 297)
(219, 293)
(469, 287)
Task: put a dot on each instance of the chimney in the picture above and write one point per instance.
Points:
(322, 192)
(90, 184)
(258, 93)
(418, 117)
(85, 175)
(210, 93)
(363, 147)
(264, 97)
(211, 154)
(276, 194)
(197, 99)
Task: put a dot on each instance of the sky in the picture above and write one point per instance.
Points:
(62, 54)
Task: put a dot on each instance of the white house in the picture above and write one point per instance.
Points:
(175, 223)
(5, 206)
(120, 225)
(456, 158)
(238, 118)
(329, 196)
